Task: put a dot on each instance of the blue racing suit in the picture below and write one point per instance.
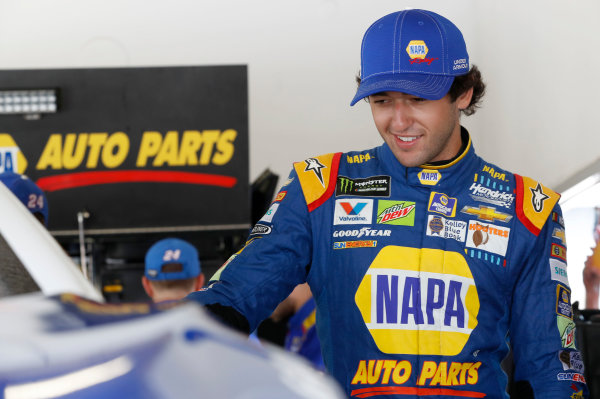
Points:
(420, 275)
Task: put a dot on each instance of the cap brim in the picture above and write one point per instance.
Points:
(427, 86)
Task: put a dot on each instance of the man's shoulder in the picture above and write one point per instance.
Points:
(318, 174)
(534, 202)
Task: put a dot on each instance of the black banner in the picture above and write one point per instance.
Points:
(139, 149)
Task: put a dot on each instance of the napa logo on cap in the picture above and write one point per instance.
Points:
(417, 49)
(11, 157)
(419, 301)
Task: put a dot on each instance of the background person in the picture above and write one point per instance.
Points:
(422, 257)
(172, 270)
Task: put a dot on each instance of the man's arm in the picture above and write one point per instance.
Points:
(542, 330)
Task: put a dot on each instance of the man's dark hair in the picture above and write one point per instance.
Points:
(460, 85)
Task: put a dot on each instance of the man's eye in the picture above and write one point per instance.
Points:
(418, 99)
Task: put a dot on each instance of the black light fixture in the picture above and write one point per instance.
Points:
(29, 103)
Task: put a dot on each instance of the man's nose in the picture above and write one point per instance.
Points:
(402, 117)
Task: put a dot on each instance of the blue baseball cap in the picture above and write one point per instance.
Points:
(27, 192)
(172, 259)
(415, 52)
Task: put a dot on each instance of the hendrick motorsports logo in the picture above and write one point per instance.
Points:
(374, 186)
(484, 194)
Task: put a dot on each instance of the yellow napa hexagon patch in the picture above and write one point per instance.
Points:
(11, 156)
(419, 301)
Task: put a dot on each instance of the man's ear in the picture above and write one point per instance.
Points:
(464, 99)
(147, 286)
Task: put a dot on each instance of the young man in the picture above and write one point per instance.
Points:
(172, 270)
(422, 257)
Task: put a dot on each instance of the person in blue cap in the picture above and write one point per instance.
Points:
(172, 270)
(28, 193)
(422, 257)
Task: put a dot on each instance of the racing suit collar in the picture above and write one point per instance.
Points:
(438, 174)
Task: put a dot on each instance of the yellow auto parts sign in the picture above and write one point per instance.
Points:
(139, 149)
(418, 301)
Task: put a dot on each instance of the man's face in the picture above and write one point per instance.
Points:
(419, 131)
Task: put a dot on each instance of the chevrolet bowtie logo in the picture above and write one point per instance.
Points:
(486, 213)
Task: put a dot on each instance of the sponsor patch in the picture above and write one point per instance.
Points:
(353, 211)
(417, 49)
(261, 229)
(429, 177)
(559, 234)
(362, 232)
(563, 302)
(401, 213)
(438, 226)
(571, 360)
(374, 186)
(558, 251)
(314, 165)
(488, 237)
(570, 377)
(281, 195)
(268, 216)
(418, 301)
(566, 328)
(359, 158)
(486, 213)
(556, 218)
(432, 374)
(441, 203)
(558, 271)
(494, 174)
(354, 244)
(538, 197)
(495, 197)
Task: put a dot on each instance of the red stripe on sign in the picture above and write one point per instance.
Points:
(376, 391)
(82, 179)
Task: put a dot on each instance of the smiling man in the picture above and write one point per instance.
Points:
(425, 261)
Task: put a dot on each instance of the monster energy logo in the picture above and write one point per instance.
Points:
(374, 186)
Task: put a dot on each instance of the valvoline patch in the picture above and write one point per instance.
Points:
(419, 301)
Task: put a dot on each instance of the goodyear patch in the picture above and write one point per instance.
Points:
(355, 244)
(429, 177)
(563, 302)
(558, 271)
(438, 226)
(400, 213)
(418, 301)
(488, 237)
(442, 204)
(374, 186)
(353, 211)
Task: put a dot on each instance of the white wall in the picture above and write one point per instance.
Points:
(539, 57)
